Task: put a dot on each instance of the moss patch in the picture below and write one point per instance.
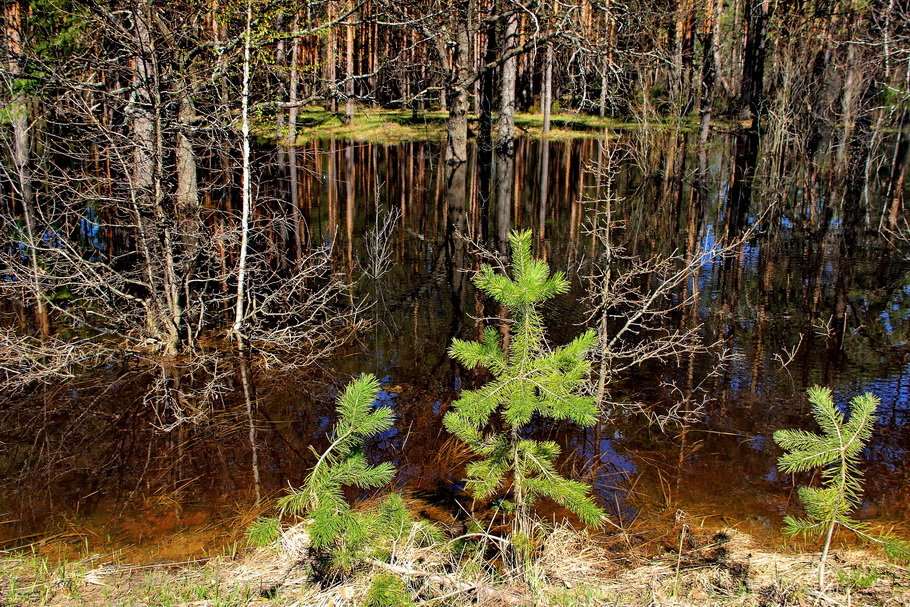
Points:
(399, 126)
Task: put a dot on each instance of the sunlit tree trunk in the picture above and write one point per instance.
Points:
(546, 96)
(683, 54)
(246, 187)
(349, 71)
(156, 239)
(507, 88)
(457, 91)
(187, 179)
(331, 52)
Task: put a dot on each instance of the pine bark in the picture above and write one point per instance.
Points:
(546, 97)
(349, 68)
(458, 94)
(509, 72)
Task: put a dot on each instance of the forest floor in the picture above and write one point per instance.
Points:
(398, 126)
(724, 568)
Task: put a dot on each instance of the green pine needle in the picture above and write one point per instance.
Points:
(337, 530)
(529, 380)
(836, 451)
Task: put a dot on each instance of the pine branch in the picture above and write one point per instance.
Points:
(836, 450)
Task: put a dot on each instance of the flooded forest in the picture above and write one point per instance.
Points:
(216, 214)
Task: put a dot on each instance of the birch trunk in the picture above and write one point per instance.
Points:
(237, 327)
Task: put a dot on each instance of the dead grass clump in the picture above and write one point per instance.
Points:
(730, 569)
(572, 558)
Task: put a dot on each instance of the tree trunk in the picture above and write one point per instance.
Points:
(457, 95)
(156, 241)
(708, 69)
(757, 14)
(293, 111)
(19, 110)
(506, 140)
(486, 83)
(349, 71)
(187, 185)
(608, 53)
(246, 187)
(683, 54)
(331, 52)
(546, 97)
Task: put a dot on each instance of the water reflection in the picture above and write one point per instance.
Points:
(815, 296)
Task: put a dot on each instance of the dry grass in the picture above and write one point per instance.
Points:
(731, 569)
(571, 569)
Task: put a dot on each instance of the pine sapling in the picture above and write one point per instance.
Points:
(337, 530)
(836, 451)
(529, 379)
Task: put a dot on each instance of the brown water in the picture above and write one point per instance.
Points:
(91, 465)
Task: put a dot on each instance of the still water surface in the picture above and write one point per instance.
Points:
(815, 296)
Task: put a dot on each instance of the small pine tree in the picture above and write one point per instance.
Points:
(836, 451)
(336, 528)
(387, 590)
(529, 379)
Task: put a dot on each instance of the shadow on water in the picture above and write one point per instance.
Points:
(814, 296)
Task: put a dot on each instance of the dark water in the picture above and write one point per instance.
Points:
(815, 296)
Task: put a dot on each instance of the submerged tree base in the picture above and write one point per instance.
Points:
(722, 568)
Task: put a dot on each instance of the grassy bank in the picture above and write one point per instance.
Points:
(725, 568)
(398, 126)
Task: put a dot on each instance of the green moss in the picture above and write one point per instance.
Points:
(399, 126)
